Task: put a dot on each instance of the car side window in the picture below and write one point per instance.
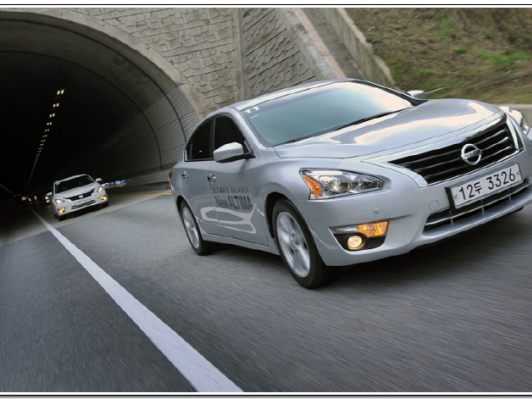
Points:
(200, 146)
(226, 131)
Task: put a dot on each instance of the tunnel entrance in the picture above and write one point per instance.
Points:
(119, 114)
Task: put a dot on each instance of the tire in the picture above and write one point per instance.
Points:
(297, 248)
(193, 232)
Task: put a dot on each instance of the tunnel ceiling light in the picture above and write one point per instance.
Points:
(55, 104)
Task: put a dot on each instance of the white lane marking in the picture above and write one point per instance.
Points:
(203, 376)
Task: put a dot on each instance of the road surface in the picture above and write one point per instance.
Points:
(115, 300)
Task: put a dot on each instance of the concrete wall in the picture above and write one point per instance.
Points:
(202, 43)
(373, 68)
(271, 57)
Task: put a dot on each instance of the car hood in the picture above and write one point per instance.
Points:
(77, 190)
(433, 120)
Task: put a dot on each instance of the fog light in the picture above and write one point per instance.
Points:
(375, 229)
(378, 229)
(361, 236)
(355, 242)
(103, 197)
(62, 210)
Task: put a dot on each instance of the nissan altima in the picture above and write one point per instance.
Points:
(335, 173)
(75, 193)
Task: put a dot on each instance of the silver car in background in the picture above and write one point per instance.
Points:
(75, 193)
(340, 172)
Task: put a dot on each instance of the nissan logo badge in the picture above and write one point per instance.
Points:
(471, 154)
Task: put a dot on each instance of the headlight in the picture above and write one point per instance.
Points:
(334, 183)
(520, 118)
(524, 126)
(59, 201)
(100, 189)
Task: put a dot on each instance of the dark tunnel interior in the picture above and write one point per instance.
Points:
(43, 131)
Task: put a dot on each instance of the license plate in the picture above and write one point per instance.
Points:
(82, 201)
(476, 189)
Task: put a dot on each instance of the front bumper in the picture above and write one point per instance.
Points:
(67, 207)
(411, 212)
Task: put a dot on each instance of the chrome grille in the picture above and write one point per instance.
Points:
(452, 216)
(80, 196)
(83, 205)
(446, 163)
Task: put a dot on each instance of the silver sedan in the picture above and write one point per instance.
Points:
(340, 172)
(76, 193)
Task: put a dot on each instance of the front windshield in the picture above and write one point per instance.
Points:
(73, 183)
(320, 110)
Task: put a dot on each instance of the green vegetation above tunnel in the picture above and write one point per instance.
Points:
(480, 53)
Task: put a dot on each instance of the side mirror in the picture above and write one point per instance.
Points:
(99, 180)
(231, 152)
(420, 94)
(49, 194)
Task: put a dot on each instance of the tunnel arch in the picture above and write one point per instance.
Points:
(140, 106)
(160, 69)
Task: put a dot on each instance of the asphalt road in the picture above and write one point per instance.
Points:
(451, 318)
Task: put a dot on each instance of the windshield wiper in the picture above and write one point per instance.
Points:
(359, 121)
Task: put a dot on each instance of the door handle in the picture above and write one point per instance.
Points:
(211, 178)
(184, 175)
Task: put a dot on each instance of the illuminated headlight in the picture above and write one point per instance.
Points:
(334, 183)
(59, 201)
(100, 189)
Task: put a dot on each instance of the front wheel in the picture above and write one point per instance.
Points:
(297, 248)
(199, 245)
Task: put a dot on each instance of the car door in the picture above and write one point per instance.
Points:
(232, 190)
(193, 177)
